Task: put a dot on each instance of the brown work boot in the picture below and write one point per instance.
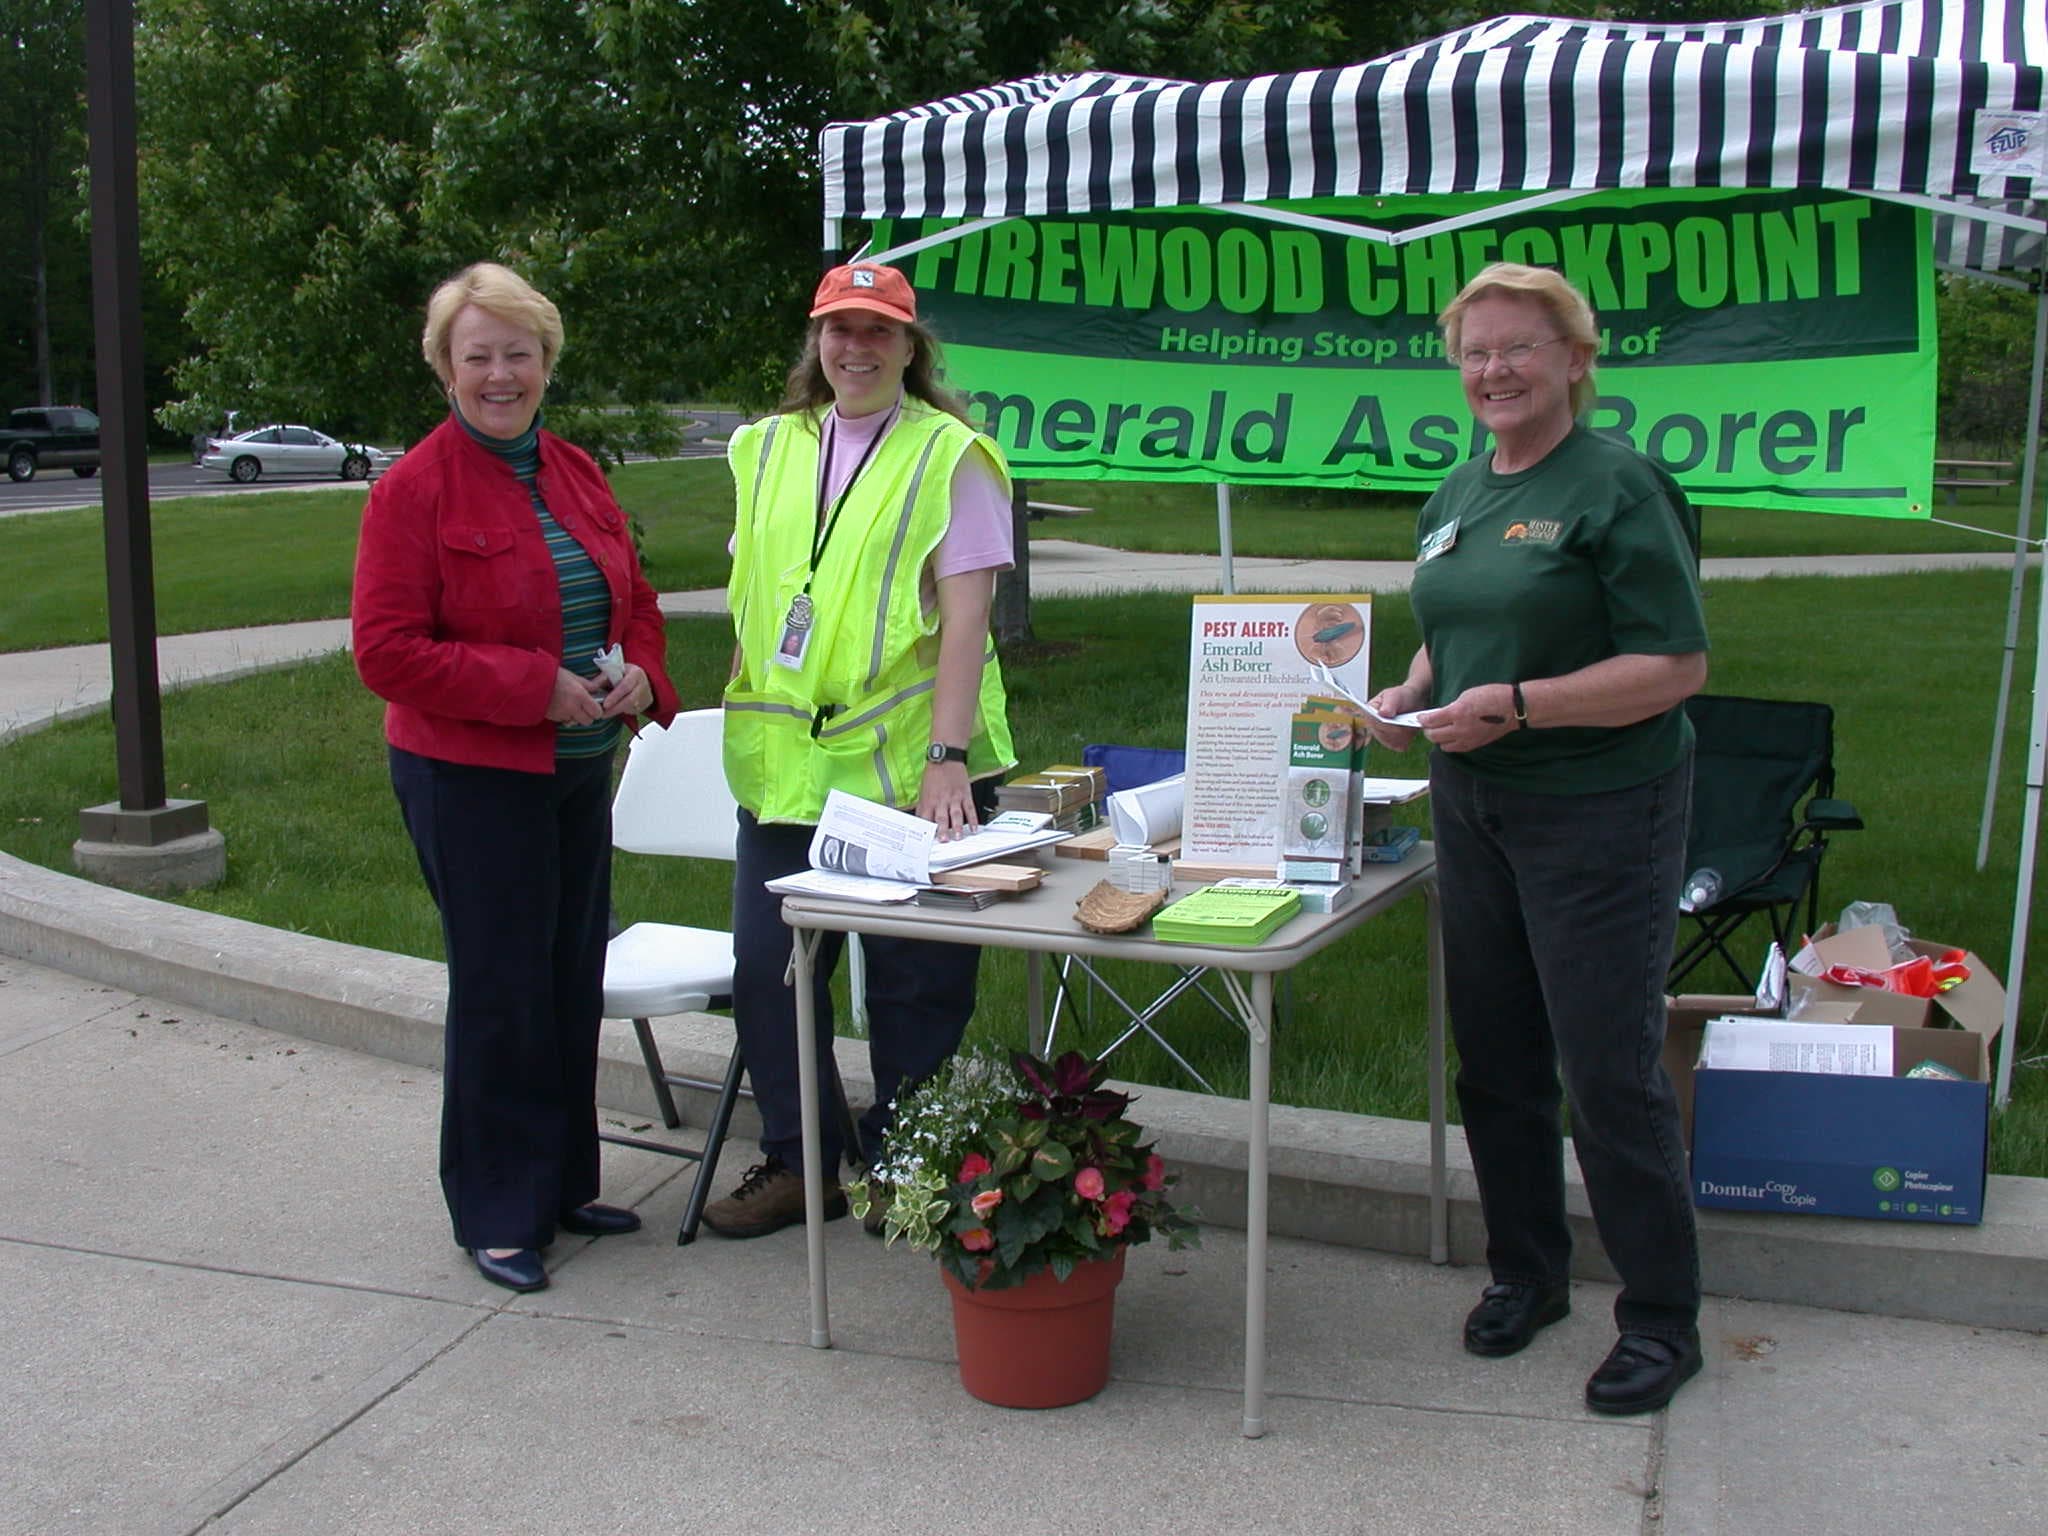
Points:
(769, 1198)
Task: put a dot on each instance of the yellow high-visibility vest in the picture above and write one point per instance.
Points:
(857, 716)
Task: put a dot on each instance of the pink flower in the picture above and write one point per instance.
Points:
(972, 1166)
(980, 1240)
(1088, 1184)
(1116, 1211)
(1155, 1173)
(985, 1202)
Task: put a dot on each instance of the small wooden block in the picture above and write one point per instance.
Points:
(992, 877)
(1188, 869)
(1087, 845)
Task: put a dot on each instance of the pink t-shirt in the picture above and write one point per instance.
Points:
(977, 536)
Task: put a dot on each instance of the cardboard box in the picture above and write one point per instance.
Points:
(1884, 1148)
(1888, 1149)
(1977, 1005)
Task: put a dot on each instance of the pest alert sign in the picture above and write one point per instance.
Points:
(1770, 348)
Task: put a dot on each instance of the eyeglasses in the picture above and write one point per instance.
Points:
(1475, 359)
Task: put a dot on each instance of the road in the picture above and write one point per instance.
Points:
(58, 489)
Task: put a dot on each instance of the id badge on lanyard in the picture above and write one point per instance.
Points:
(796, 633)
(797, 624)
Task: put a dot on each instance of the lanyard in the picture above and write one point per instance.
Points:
(824, 536)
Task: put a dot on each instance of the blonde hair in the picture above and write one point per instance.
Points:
(1548, 287)
(500, 292)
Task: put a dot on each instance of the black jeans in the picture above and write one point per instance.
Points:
(1559, 913)
(520, 866)
(920, 997)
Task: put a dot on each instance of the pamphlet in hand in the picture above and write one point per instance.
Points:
(880, 845)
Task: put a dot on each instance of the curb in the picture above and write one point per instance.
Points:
(1350, 1180)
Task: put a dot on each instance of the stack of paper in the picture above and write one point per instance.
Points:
(1219, 914)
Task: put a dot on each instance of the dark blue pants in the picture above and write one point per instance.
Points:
(1559, 913)
(520, 866)
(920, 997)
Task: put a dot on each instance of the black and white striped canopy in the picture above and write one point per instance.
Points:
(1883, 97)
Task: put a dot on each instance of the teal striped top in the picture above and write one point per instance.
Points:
(586, 599)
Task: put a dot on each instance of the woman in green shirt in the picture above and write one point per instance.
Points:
(1557, 592)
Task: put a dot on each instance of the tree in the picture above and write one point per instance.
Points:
(45, 327)
(280, 173)
(1987, 352)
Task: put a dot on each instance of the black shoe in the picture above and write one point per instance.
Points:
(595, 1220)
(1509, 1315)
(519, 1271)
(1641, 1373)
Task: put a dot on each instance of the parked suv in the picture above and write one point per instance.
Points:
(50, 437)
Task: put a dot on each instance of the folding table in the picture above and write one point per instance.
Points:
(1041, 922)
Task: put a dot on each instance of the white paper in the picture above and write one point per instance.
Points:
(857, 837)
(822, 882)
(1412, 719)
(1393, 791)
(1150, 813)
(1773, 1045)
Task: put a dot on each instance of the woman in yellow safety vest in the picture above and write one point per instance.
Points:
(871, 522)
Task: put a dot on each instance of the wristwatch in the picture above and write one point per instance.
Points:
(939, 752)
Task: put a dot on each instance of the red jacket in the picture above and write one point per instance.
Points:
(457, 614)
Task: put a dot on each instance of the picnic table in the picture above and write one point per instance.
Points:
(1967, 474)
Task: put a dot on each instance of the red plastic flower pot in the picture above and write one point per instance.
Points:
(1042, 1344)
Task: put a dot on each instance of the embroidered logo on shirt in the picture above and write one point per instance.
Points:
(1542, 530)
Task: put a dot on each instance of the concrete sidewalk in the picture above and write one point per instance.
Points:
(39, 687)
(234, 1307)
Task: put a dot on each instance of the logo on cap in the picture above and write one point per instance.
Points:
(862, 277)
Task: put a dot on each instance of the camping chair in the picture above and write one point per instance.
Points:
(1127, 768)
(669, 802)
(1756, 761)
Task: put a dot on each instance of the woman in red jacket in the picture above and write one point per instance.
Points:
(501, 614)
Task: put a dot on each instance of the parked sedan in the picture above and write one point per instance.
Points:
(291, 450)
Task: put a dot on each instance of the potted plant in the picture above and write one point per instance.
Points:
(1027, 1183)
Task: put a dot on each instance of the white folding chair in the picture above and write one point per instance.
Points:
(672, 801)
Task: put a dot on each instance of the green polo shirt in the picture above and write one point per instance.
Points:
(1592, 553)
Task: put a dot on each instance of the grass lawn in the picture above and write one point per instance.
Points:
(291, 764)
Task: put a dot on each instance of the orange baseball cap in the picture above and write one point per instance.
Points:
(864, 285)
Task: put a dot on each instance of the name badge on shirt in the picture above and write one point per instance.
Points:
(796, 633)
(1439, 542)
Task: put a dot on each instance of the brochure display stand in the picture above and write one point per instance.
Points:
(1252, 664)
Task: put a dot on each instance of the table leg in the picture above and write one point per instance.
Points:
(1034, 1003)
(1439, 1198)
(1259, 1025)
(802, 952)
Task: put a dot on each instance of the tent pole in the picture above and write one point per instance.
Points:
(2030, 828)
(1223, 535)
(2037, 755)
(2021, 537)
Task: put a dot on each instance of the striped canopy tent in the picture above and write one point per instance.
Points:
(1933, 103)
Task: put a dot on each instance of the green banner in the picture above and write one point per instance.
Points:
(1771, 348)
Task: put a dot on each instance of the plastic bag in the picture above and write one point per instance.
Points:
(1917, 977)
(1879, 915)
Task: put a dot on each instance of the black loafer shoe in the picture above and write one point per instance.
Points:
(598, 1221)
(519, 1271)
(1641, 1373)
(1509, 1316)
